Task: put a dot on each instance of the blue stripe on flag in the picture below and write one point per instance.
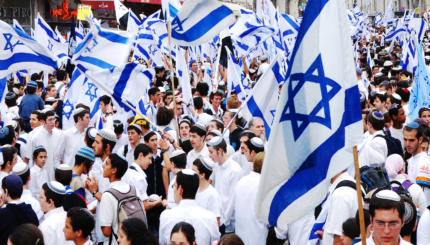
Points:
(113, 37)
(48, 31)
(256, 112)
(97, 62)
(202, 27)
(27, 57)
(122, 83)
(312, 169)
(292, 22)
(277, 72)
(95, 109)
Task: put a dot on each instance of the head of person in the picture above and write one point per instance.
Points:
(424, 113)
(104, 142)
(133, 231)
(85, 157)
(134, 132)
(410, 217)
(216, 124)
(184, 128)
(245, 136)
(256, 125)
(168, 97)
(11, 188)
(40, 156)
(186, 185)
(404, 94)
(22, 170)
(252, 147)
(198, 103)
(31, 87)
(90, 136)
(197, 135)
(50, 120)
(379, 101)
(7, 135)
(394, 165)
(115, 167)
(217, 149)
(350, 231)
(52, 196)
(10, 99)
(203, 166)
(397, 114)
(26, 234)
(63, 174)
(143, 156)
(118, 128)
(216, 98)
(35, 119)
(164, 116)
(194, 67)
(375, 121)
(183, 233)
(412, 135)
(258, 162)
(230, 239)
(227, 117)
(105, 102)
(81, 117)
(212, 134)
(79, 224)
(61, 75)
(178, 159)
(51, 91)
(8, 158)
(202, 88)
(154, 95)
(150, 139)
(387, 211)
(142, 122)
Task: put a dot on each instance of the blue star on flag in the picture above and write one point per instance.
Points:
(50, 45)
(68, 109)
(9, 45)
(315, 74)
(92, 91)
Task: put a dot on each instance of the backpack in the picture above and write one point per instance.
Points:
(373, 177)
(393, 145)
(129, 206)
(401, 188)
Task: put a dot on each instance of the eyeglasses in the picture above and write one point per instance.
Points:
(381, 224)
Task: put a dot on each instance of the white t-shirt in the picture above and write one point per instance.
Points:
(423, 234)
(193, 155)
(52, 227)
(209, 199)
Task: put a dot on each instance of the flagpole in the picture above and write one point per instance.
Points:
(172, 80)
(359, 197)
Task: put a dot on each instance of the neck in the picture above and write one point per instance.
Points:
(232, 127)
(418, 151)
(80, 127)
(200, 111)
(80, 241)
(49, 130)
(113, 179)
(203, 185)
(223, 158)
(199, 148)
(77, 170)
(105, 155)
(134, 144)
(397, 125)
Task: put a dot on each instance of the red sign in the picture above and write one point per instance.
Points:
(64, 11)
(100, 4)
(158, 2)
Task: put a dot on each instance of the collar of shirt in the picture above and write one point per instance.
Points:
(187, 202)
(15, 202)
(138, 168)
(54, 212)
(115, 184)
(226, 164)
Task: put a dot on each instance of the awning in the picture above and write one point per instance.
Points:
(158, 2)
(100, 4)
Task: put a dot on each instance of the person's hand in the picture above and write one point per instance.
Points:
(319, 233)
(91, 184)
(168, 137)
(163, 144)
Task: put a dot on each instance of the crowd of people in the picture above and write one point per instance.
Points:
(188, 173)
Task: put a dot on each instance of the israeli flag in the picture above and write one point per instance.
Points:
(19, 51)
(95, 51)
(235, 78)
(199, 21)
(389, 14)
(50, 39)
(409, 57)
(264, 97)
(133, 23)
(318, 118)
(184, 77)
(420, 93)
(170, 8)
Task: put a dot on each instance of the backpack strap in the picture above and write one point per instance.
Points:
(132, 167)
(348, 183)
(125, 150)
(406, 184)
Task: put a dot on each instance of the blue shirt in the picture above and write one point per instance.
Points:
(30, 103)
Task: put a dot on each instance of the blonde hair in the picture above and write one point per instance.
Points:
(258, 162)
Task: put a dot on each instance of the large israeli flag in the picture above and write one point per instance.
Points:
(170, 9)
(95, 51)
(199, 21)
(318, 117)
(19, 51)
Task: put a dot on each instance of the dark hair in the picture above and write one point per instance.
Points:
(189, 183)
(394, 110)
(63, 176)
(105, 143)
(164, 116)
(381, 97)
(219, 124)
(37, 113)
(385, 204)
(422, 110)
(187, 229)
(198, 102)
(230, 239)
(105, 99)
(49, 113)
(394, 100)
(252, 147)
(82, 160)
(80, 115)
(120, 164)
(202, 169)
(222, 145)
(30, 90)
(153, 91)
(118, 126)
(200, 132)
(8, 139)
(27, 234)
(88, 139)
(411, 216)
(58, 199)
(419, 131)
(10, 102)
(350, 228)
(37, 151)
(202, 88)
(141, 148)
(24, 176)
(137, 233)
(8, 152)
(14, 193)
(377, 124)
(81, 219)
(180, 160)
(61, 75)
(404, 94)
(148, 136)
(366, 219)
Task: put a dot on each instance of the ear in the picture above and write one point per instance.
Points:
(420, 140)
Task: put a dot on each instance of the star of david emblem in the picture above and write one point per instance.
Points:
(177, 24)
(9, 45)
(92, 91)
(50, 45)
(68, 109)
(91, 46)
(328, 89)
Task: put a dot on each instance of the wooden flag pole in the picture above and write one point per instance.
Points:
(172, 71)
(359, 197)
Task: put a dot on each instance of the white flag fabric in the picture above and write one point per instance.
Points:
(184, 77)
(170, 9)
(199, 21)
(19, 51)
(318, 118)
(120, 10)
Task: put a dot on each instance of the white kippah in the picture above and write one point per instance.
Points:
(20, 168)
(63, 167)
(79, 110)
(215, 141)
(188, 172)
(388, 195)
(107, 134)
(57, 187)
(207, 162)
(257, 142)
(215, 132)
(176, 153)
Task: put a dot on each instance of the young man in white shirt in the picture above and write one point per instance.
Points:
(197, 139)
(203, 221)
(51, 200)
(224, 178)
(179, 162)
(375, 150)
(134, 132)
(398, 116)
(78, 226)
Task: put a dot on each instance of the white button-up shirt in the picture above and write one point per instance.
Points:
(136, 176)
(252, 231)
(28, 198)
(72, 141)
(204, 222)
(52, 227)
(193, 155)
(38, 177)
(369, 241)
(209, 199)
